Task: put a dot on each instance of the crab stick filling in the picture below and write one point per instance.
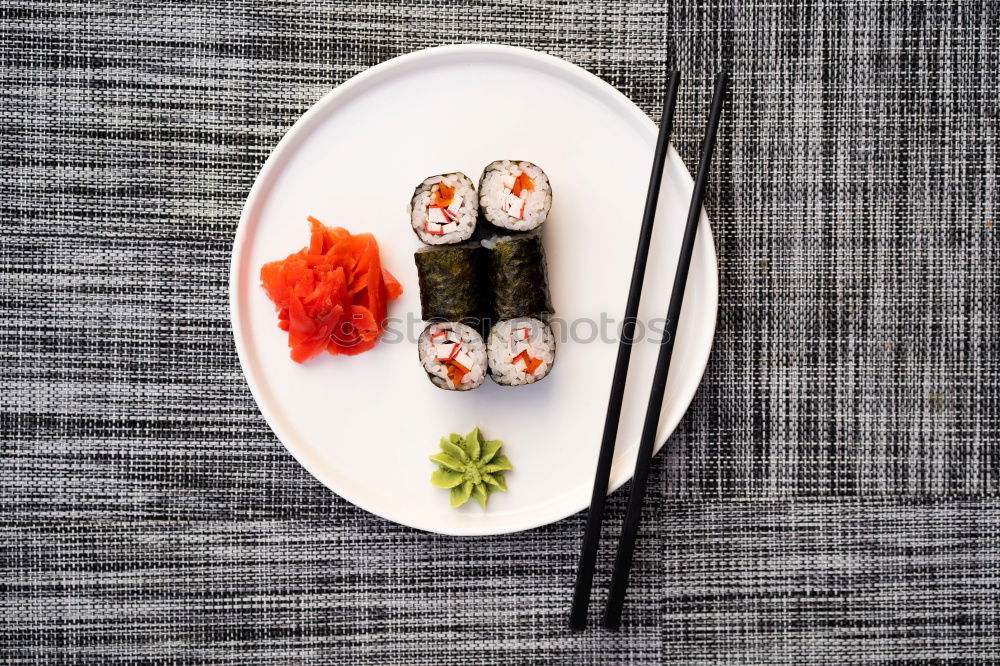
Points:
(520, 346)
(448, 351)
(515, 193)
(442, 214)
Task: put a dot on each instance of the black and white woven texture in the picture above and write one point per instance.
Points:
(830, 498)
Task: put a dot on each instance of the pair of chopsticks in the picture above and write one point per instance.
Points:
(595, 518)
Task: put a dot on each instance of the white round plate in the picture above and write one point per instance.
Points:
(365, 425)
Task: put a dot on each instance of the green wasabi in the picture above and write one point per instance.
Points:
(470, 467)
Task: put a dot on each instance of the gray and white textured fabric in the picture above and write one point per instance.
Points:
(830, 498)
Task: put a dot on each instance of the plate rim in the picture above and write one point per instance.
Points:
(303, 124)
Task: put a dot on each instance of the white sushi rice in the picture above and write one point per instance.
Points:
(502, 348)
(494, 193)
(467, 209)
(491, 242)
(471, 345)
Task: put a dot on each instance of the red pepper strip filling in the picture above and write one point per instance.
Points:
(456, 371)
(443, 195)
(530, 363)
(522, 182)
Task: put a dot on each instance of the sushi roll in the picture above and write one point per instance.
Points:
(444, 208)
(450, 284)
(515, 267)
(453, 356)
(520, 351)
(514, 195)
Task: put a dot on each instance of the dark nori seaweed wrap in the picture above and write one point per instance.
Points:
(516, 269)
(451, 286)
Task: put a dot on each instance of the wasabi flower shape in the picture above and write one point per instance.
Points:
(470, 467)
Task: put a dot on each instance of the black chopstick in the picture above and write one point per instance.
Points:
(592, 536)
(630, 528)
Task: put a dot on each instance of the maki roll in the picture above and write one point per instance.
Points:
(449, 278)
(514, 195)
(453, 356)
(520, 351)
(519, 285)
(444, 209)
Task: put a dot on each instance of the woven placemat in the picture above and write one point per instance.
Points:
(827, 499)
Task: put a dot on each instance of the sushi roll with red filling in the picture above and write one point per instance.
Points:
(515, 195)
(453, 355)
(520, 351)
(444, 209)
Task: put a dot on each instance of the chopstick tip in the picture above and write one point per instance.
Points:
(722, 80)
